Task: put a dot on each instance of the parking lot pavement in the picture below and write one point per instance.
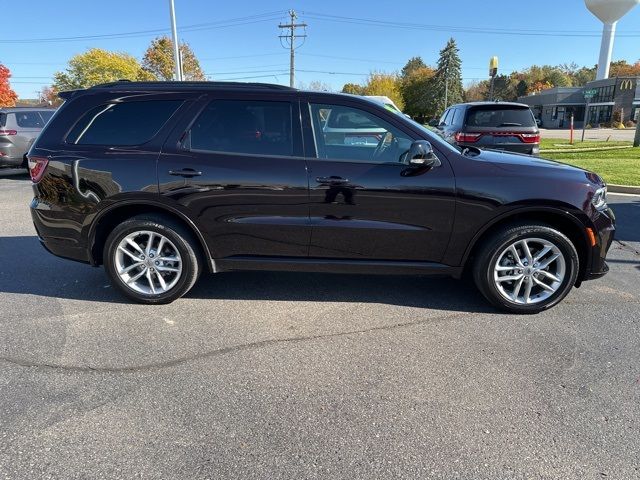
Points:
(600, 134)
(272, 375)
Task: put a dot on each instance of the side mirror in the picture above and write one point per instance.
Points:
(433, 123)
(421, 155)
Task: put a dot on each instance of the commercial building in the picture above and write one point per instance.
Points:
(555, 106)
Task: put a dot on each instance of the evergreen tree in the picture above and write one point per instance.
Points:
(446, 86)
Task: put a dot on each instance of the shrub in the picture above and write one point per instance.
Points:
(630, 124)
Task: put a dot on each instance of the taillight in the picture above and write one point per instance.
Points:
(467, 137)
(8, 132)
(37, 166)
(530, 137)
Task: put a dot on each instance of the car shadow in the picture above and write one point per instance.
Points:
(627, 220)
(49, 276)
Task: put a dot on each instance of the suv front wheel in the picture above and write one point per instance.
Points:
(151, 259)
(526, 268)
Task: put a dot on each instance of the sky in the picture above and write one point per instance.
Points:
(345, 39)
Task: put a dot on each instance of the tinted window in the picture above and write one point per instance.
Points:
(495, 116)
(356, 135)
(29, 120)
(46, 115)
(443, 118)
(128, 123)
(244, 126)
(3, 119)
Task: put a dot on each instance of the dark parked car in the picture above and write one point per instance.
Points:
(160, 182)
(494, 125)
(19, 127)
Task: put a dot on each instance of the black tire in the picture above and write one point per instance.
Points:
(180, 237)
(491, 249)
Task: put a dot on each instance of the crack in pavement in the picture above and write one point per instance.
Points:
(627, 247)
(221, 351)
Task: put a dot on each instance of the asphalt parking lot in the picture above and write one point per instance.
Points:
(272, 375)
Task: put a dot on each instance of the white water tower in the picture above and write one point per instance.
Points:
(609, 12)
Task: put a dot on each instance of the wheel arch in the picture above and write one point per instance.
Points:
(564, 221)
(104, 222)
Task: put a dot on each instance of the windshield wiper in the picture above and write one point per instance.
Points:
(466, 151)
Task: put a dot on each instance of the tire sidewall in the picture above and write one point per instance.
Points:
(561, 241)
(188, 258)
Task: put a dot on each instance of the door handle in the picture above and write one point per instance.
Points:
(185, 172)
(332, 180)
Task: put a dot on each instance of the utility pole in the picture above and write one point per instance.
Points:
(446, 85)
(291, 39)
(176, 46)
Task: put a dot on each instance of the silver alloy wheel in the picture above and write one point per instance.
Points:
(529, 271)
(148, 262)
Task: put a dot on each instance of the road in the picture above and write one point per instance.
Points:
(599, 134)
(272, 375)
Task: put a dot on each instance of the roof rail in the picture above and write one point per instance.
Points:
(190, 85)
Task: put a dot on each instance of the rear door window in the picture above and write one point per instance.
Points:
(29, 120)
(122, 124)
(244, 126)
(496, 117)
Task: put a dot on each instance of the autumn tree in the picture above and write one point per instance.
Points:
(621, 68)
(385, 84)
(315, 85)
(477, 91)
(446, 87)
(353, 88)
(158, 61)
(49, 95)
(98, 66)
(7, 96)
(415, 86)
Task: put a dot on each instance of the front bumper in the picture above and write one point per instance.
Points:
(605, 227)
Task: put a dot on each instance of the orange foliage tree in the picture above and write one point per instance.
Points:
(7, 96)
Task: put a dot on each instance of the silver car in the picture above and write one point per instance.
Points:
(19, 126)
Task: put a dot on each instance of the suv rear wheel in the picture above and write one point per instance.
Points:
(151, 259)
(526, 268)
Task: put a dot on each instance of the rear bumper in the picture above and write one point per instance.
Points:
(525, 148)
(57, 234)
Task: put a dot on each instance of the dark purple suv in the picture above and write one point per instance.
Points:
(160, 182)
(491, 125)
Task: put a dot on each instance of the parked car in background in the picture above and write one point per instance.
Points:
(161, 181)
(19, 127)
(386, 102)
(495, 125)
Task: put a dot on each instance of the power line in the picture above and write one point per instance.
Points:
(291, 38)
(233, 22)
(459, 29)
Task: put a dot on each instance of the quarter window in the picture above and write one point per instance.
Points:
(244, 126)
(120, 124)
(346, 133)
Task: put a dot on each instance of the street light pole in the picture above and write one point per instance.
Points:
(176, 45)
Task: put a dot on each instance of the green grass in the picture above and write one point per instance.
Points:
(621, 166)
(557, 144)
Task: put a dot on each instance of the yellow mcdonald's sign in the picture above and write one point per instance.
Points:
(626, 84)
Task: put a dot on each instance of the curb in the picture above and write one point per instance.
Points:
(611, 188)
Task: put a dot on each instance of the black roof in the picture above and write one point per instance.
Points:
(190, 85)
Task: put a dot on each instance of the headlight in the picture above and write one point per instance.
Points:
(599, 200)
